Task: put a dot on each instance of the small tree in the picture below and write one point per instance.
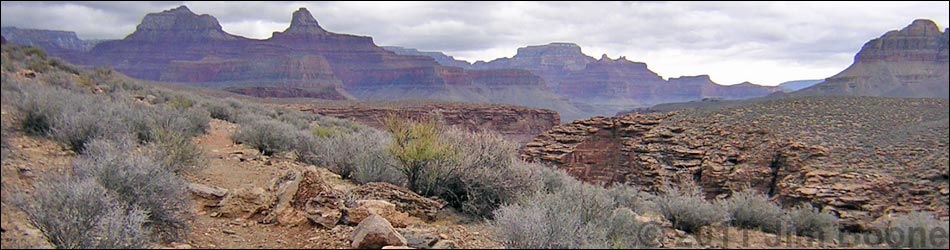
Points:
(416, 145)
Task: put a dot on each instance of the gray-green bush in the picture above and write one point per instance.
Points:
(481, 174)
(576, 216)
(78, 213)
(810, 221)
(267, 136)
(916, 231)
(175, 152)
(359, 156)
(686, 208)
(753, 210)
(139, 181)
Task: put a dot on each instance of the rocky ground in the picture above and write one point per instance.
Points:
(231, 167)
(860, 157)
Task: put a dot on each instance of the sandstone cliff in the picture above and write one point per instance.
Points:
(911, 62)
(859, 157)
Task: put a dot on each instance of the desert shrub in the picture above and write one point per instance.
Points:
(141, 182)
(39, 106)
(59, 79)
(110, 81)
(577, 216)
(360, 156)
(298, 119)
(76, 129)
(915, 231)
(324, 132)
(76, 213)
(479, 191)
(686, 208)
(555, 180)
(417, 146)
(631, 197)
(175, 151)
(809, 221)
(752, 210)
(180, 102)
(267, 136)
(221, 111)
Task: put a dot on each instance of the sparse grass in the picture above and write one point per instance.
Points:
(752, 210)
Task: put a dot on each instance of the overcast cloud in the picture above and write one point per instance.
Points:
(761, 42)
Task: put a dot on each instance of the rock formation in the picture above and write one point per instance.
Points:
(305, 60)
(439, 57)
(911, 62)
(861, 158)
(52, 41)
(515, 123)
(614, 85)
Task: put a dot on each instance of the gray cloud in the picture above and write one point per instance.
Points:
(762, 42)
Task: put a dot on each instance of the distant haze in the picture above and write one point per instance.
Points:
(762, 42)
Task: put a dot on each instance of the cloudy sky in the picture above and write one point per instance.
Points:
(762, 42)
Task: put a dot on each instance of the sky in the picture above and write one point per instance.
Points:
(765, 43)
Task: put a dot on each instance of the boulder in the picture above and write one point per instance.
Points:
(246, 202)
(364, 208)
(375, 232)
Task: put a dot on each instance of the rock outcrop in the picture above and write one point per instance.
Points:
(861, 158)
(405, 201)
(911, 62)
(515, 123)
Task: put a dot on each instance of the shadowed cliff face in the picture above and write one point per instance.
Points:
(911, 62)
(860, 157)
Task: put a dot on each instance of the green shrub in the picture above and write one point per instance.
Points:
(76, 213)
(752, 210)
(417, 146)
(686, 208)
(809, 221)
